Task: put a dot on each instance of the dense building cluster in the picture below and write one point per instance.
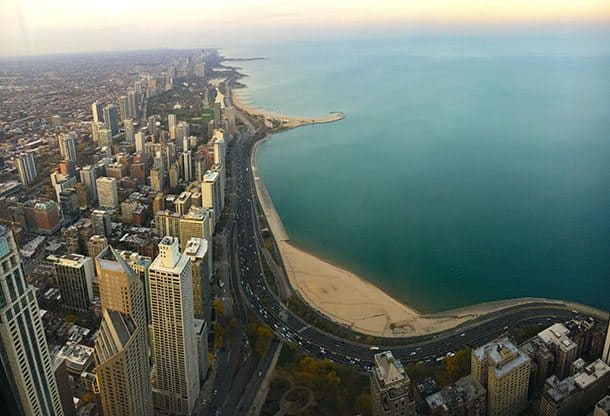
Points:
(563, 370)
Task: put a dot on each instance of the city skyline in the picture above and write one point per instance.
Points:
(78, 26)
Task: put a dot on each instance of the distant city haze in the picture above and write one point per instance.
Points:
(34, 27)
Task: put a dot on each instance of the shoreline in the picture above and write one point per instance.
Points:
(281, 122)
(346, 298)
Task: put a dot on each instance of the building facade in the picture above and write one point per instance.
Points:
(26, 370)
(176, 365)
(390, 387)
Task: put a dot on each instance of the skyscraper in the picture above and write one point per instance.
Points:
(504, 370)
(211, 194)
(176, 366)
(152, 125)
(67, 147)
(140, 139)
(87, 176)
(195, 223)
(171, 125)
(390, 387)
(121, 348)
(74, 274)
(187, 166)
(98, 112)
(26, 166)
(132, 99)
(26, 370)
(107, 192)
(111, 118)
(129, 130)
(124, 107)
(69, 206)
(196, 249)
(102, 223)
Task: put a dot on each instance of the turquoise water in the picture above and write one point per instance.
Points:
(467, 170)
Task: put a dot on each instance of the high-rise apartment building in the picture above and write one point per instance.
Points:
(67, 146)
(129, 130)
(121, 348)
(74, 274)
(102, 223)
(111, 118)
(88, 177)
(26, 166)
(140, 139)
(201, 261)
(390, 387)
(69, 206)
(107, 192)
(211, 194)
(187, 166)
(26, 370)
(504, 370)
(132, 98)
(95, 245)
(176, 365)
(183, 203)
(98, 112)
(124, 107)
(564, 350)
(194, 224)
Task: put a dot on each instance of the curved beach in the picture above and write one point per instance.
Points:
(345, 297)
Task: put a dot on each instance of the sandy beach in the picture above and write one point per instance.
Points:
(282, 121)
(347, 298)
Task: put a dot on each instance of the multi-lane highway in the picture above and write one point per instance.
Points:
(290, 328)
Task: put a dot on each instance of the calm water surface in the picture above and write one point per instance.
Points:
(467, 170)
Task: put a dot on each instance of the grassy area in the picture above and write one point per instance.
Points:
(445, 372)
(336, 389)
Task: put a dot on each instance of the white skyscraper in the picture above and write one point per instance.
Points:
(27, 168)
(67, 147)
(107, 192)
(176, 365)
(140, 139)
(187, 166)
(25, 364)
(219, 147)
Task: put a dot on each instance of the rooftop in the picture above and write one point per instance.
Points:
(388, 369)
(503, 356)
(557, 335)
(591, 373)
(210, 176)
(604, 404)
(196, 247)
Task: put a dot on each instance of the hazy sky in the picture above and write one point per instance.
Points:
(52, 26)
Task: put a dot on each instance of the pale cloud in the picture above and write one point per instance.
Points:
(49, 26)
